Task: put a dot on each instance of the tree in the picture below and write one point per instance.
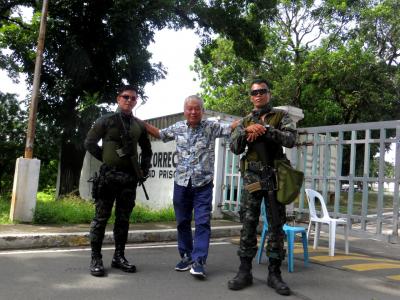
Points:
(11, 137)
(388, 168)
(13, 119)
(335, 60)
(315, 58)
(93, 46)
(380, 29)
(288, 37)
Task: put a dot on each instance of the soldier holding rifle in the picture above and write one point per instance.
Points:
(261, 136)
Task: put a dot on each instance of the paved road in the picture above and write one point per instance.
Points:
(63, 274)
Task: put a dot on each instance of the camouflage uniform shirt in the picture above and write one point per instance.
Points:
(282, 133)
(195, 147)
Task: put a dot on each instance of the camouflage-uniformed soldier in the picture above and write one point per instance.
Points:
(263, 133)
(121, 133)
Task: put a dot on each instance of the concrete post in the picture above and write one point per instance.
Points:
(26, 181)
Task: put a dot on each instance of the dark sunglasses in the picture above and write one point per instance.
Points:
(127, 97)
(259, 92)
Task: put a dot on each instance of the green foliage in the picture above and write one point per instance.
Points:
(380, 28)
(5, 209)
(389, 171)
(48, 174)
(12, 142)
(142, 214)
(319, 57)
(224, 87)
(346, 85)
(91, 47)
(74, 210)
(12, 135)
(65, 211)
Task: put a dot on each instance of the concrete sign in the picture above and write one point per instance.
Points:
(159, 185)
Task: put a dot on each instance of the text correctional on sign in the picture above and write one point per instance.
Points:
(164, 159)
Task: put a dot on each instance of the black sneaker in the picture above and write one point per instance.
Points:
(184, 264)
(197, 270)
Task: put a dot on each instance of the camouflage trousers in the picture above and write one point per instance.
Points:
(124, 195)
(250, 215)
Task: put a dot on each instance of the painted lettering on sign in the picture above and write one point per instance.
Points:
(163, 164)
(166, 174)
(164, 159)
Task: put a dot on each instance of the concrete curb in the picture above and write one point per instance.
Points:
(77, 239)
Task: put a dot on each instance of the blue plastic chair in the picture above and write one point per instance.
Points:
(290, 232)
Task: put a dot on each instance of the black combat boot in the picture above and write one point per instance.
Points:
(96, 265)
(120, 262)
(244, 277)
(275, 279)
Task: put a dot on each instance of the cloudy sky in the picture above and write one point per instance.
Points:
(176, 51)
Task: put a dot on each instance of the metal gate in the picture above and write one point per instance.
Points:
(347, 165)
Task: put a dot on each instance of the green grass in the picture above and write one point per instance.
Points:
(357, 202)
(74, 210)
(5, 204)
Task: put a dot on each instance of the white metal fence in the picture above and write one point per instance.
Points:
(356, 167)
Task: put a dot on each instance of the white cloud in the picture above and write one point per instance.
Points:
(175, 49)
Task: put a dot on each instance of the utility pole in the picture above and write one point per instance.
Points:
(30, 135)
(27, 169)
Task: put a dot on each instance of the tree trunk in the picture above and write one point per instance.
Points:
(69, 170)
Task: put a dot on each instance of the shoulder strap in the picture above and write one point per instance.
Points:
(140, 123)
(275, 117)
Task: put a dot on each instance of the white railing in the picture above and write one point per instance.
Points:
(349, 165)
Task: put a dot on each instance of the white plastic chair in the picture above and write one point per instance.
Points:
(325, 219)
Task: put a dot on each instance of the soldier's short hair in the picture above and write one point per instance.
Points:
(261, 80)
(126, 87)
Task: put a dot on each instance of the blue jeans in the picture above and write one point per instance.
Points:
(186, 200)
